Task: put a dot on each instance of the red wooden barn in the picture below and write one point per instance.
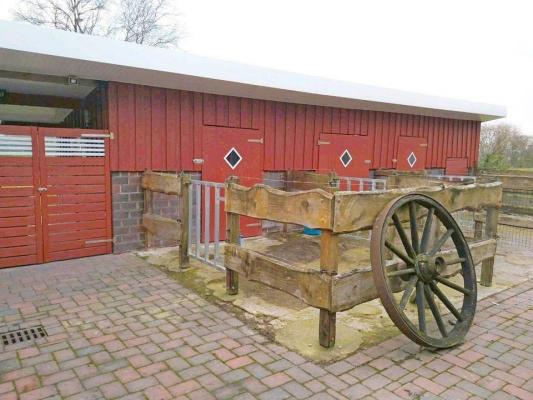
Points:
(83, 116)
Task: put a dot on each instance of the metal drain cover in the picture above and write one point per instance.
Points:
(23, 335)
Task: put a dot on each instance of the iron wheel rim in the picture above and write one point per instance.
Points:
(427, 283)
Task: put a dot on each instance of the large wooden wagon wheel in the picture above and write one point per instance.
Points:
(419, 251)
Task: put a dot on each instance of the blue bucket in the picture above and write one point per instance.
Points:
(311, 231)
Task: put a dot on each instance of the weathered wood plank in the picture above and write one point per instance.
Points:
(184, 219)
(311, 208)
(329, 262)
(357, 211)
(510, 182)
(162, 183)
(308, 180)
(161, 227)
(233, 237)
(491, 231)
(517, 221)
(358, 287)
(308, 285)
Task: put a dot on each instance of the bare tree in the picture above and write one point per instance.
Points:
(148, 22)
(83, 16)
(503, 145)
(151, 22)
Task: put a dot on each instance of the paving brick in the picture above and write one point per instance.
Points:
(184, 387)
(136, 334)
(158, 392)
(113, 390)
(40, 393)
(276, 379)
(239, 362)
(168, 378)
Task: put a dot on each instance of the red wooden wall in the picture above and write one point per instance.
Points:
(161, 129)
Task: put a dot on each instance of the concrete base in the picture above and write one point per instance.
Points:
(295, 325)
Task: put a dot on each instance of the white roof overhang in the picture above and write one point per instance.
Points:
(34, 49)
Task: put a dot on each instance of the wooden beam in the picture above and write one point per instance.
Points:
(357, 211)
(510, 182)
(311, 208)
(329, 261)
(491, 231)
(356, 287)
(233, 238)
(162, 183)
(517, 221)
(184, 219)
(41, 101)
(161, 227)
(148, 210)
(309, 285)
(308, 180)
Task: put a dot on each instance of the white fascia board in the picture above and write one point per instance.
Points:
(29, 48)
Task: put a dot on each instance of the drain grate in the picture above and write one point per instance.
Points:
(23, 335)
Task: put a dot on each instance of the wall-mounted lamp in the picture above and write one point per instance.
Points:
(73, 80)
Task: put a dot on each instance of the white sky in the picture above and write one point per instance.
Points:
(479, 50)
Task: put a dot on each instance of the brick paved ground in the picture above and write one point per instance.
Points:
(120, 329)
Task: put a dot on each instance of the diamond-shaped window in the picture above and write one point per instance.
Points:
(233, 158)
(411, 159)
(346, 158)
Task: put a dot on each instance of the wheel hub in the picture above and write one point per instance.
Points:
(426, 267)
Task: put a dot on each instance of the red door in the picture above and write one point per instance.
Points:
(233, 152)
(76, 203)
(347, 155)
(55, 194)
(20, 212)
(456, 166)
(411, 154)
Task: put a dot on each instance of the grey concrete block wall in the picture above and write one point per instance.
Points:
(128, 207)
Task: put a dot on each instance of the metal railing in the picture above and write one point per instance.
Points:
(201, 246)
(350, 183)
(453, 178)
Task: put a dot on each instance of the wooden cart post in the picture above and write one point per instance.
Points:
(329, 259)
(232, 236)
(148, 209)
(491, 232)
(184, 240)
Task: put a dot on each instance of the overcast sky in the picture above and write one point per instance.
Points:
(479, 50)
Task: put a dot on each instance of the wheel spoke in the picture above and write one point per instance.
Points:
(399, 253)
(435, 311)
(441, 241)
(421, 306)
(452, 285)
(445, 301)
(456, 261)
(427, 231)
(403, 236)
(407, 293)
(414, 229)
(401, 272)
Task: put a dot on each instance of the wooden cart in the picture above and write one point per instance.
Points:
(421, 266)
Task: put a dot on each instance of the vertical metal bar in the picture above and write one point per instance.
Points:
(361, 185)
(217, 222)
(348, 184)
(191, 220)
(207, 220)
(373, 185)
(198, 214)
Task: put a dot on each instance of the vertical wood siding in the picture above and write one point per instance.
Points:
(161, 129)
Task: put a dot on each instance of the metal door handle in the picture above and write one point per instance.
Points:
(42, 189)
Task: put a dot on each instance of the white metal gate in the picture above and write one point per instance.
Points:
(351, 183)
(204, 226)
